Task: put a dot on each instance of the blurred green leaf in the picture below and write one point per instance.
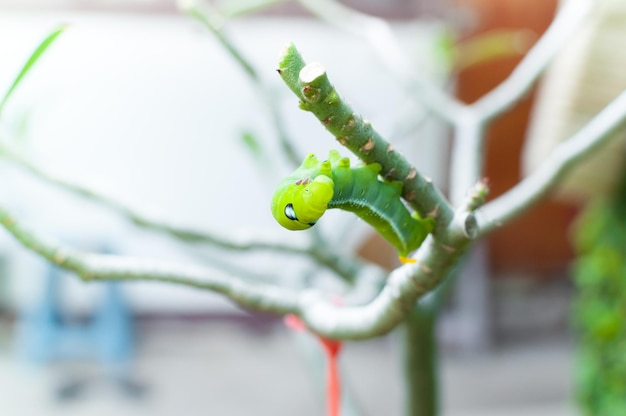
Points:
(590, 225)
(492, 45)
(445, 52)
(609, 260)
(32, 60)
(599, 308)
(586, 273)
(606, 324)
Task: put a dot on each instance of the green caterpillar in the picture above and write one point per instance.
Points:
(303, 197)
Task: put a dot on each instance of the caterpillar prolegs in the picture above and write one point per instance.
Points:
(302, 198)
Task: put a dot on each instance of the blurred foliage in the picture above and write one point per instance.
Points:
(599, 309)
(493, 45)
(457, 55)
(32, 60)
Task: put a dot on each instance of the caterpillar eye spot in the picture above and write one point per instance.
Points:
(290, 212)
(312, 223)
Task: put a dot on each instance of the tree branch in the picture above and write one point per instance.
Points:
(213, 22)
(386, 311)
(507, 93)
(563, 158)
(260, 297)
(467, 159)
(243, 243)
(311, 84)
(468, 151)
(405, 286)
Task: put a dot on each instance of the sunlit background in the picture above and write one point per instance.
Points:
(141, 102)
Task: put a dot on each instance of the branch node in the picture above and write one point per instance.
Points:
(425, 269)
(349, 125)
(59, 257)
(434, 213)
(478, 195)
(448, 249)
(87, 276)
(390, 174)
(311, 94)
(464, 227)
(368, 146)
(332, 98)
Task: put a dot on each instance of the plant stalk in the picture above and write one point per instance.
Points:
(420, 362)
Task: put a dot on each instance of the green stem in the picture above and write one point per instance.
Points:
(420, 366)
(317, 95)
(204, 17)
(208, 17)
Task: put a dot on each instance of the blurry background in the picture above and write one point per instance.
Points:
(142, 103)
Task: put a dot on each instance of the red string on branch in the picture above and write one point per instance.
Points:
(331, 349)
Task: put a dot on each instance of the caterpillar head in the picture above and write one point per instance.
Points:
(298, 205)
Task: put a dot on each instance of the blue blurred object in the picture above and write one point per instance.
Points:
(44, 335)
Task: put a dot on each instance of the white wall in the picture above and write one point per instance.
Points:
(149, 110)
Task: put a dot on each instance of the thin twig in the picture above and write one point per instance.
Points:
(468, 153)
(507, 93)
(466, 166)
(563, 158)
(261, 297)
(243, 241)
(209, 19)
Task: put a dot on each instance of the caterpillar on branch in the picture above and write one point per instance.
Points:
(302, 198)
